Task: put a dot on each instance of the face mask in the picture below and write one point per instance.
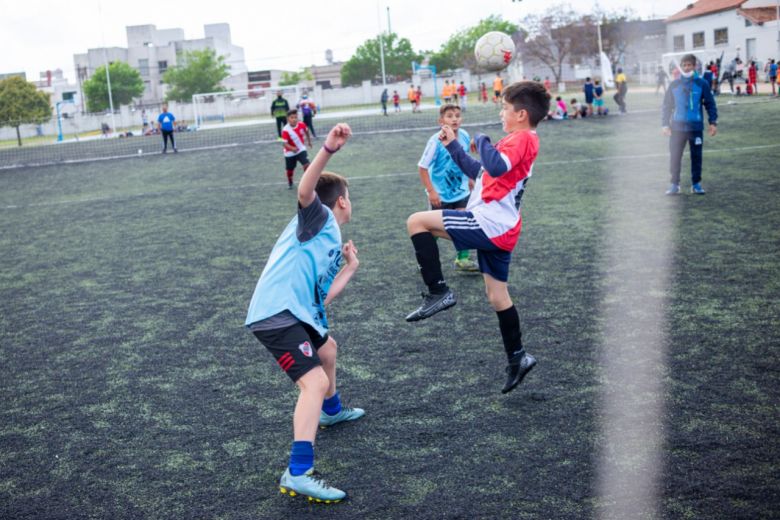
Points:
(687, 74)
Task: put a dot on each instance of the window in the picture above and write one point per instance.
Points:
(143, 67)
(721, 36)
(162, 66)
(698, 40)
(260, 75)
(748, 23)
(679, 43)
(68, 96)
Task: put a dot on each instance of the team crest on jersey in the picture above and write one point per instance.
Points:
(305, 347)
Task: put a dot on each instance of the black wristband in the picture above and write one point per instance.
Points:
(329, 150)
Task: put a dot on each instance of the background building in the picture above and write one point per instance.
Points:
(152, 51)
(744, 28)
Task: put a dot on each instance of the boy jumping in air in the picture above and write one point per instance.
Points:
(287, 312)
(445, 184)
(491, 223)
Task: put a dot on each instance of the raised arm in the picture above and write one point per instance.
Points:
(336, 138)
(465, 162)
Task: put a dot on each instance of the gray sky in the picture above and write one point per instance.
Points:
(45, 34)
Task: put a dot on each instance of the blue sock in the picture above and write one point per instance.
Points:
(332, 405)
(301, 457)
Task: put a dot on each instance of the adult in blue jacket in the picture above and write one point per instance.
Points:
(682, 120)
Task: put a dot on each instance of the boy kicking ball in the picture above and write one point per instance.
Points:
(287, 312)
(491, 222)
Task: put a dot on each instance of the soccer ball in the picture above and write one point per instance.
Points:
(494, 50)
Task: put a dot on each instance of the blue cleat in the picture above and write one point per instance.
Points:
(674, 189)
(311, 485)
(346, 414)
(697, 189)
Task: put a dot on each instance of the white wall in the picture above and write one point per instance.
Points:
(765, 35)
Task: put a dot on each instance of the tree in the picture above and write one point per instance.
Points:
(21, 103)
(293, 78)
(458, 51)
(619, 31)
(126, 84)
(558, 36)
(196, 73)
(366, 64)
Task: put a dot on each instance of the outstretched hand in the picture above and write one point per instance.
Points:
(338, 136)
(447, 135)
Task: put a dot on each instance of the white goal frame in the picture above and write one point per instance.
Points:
(215, 109)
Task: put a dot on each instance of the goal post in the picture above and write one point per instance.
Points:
(227, 108)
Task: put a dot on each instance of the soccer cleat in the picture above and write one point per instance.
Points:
(346, 414)
(433, 303)
(697, 189)
(674, 189)
(311, 485)
(466, 265)
(518, 367)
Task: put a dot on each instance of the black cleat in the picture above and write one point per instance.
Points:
(433, 303)
(518, 367)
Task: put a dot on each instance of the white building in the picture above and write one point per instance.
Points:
(744, 28)
(152, 51)
(60, 91)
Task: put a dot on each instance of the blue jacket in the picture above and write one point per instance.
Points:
(683, 103)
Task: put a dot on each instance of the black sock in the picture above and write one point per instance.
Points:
(509, 323)
(427, 253)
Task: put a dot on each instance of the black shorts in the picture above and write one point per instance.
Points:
(290, 162)
(294, 347)
(458, 204)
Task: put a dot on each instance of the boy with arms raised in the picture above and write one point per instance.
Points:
(445, 184)
(491, 223)
(287, 312)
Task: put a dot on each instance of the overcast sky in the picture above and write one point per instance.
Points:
(37, 35)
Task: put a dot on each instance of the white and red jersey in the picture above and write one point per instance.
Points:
(294, 137)
(493, 199)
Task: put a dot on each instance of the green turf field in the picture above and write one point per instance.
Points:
(131, 389)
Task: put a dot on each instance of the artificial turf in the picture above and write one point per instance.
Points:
(131, 389)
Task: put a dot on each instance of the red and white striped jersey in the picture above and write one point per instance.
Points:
(493, 199)
(294, 137)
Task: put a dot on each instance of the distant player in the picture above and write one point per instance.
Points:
(682, 120)
(446, 186)
(287, 312)
(165, 123)
(463, 96)
(293, 135)
(498, 87)
(308, 110)
(587, 89)
(396, 101)
(446, 93)
(411, 95)
(491, 223)
(598, 98)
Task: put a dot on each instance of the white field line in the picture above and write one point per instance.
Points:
(366, 177)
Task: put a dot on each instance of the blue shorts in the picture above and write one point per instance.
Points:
(466, 234)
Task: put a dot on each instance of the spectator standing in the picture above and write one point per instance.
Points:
(279, 109)
(622, 88)
(165, 122)
(308, 110)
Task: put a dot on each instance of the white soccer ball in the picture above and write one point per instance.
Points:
(494, 50)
